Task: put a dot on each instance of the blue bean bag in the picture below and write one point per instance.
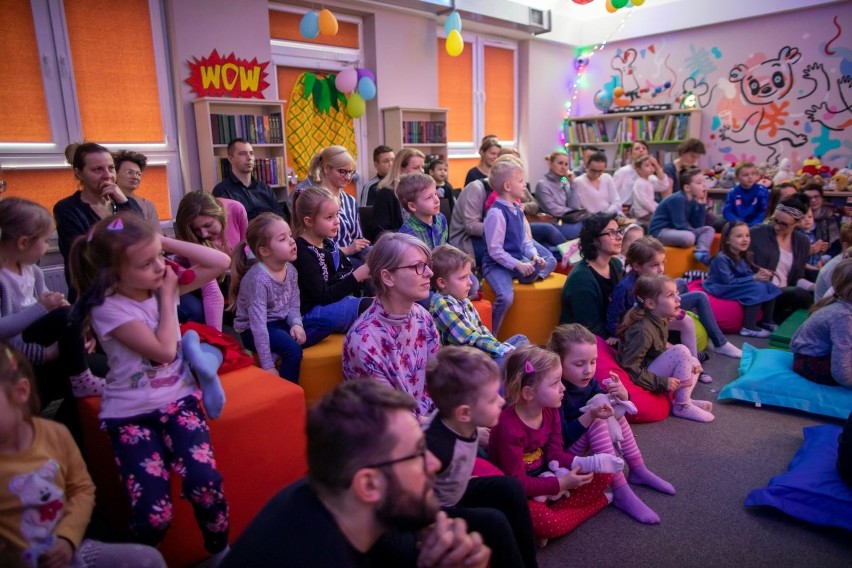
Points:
(811, 488)
(767, 377)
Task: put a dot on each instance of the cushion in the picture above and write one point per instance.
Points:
(811, 489)
(535, 311)
(780, 338)
(767, 377)
(680, 260)
(700, 332)
(652, 406)
(729, 313)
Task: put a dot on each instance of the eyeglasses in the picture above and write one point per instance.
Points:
(594, 172)
(132, 173)
(419, 268)
(614, 233)
(419, 454)
(345, 173)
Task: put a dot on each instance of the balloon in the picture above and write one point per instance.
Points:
(618, 91)
(366, 88)
(309, 26)
(364, 72)
(453, 23)
(581, 2)
(603, 100)
(637, 2)
(609, 7)
(355, 106)
(327, 23)
(455, 43)
(618, 4)
(346, 80)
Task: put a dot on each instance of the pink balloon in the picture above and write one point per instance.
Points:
(346, 80)
(364, 72)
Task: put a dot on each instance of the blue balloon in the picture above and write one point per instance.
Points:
(366, 88)
(603, 100)
(309, 26)
(453, 23)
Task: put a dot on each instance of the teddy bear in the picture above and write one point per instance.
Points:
(554, 470)
(785, 172)
(42, 504)
(839, 182)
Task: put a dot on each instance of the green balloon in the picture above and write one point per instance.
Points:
(619, 4)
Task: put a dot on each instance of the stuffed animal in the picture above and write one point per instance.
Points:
(785, 172)
(839, 182)
(619, 407)
(710, 180)
(555, 471)
(728, 178)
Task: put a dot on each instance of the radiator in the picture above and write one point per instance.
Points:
(54, 279)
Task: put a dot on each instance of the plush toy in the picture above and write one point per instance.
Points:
(555, 471)
(839, 182)
(710, 180)
(785, 172)
(728, 178)
(619, 407)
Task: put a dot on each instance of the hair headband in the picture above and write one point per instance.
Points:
(791, 211)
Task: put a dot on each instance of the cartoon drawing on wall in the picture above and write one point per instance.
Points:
(837, 117)
(695, 93)
(628, 83)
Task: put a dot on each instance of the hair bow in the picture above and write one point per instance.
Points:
(528, 367)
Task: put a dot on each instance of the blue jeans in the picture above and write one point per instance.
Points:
(191, 308)
(548, 235)
(340, 314)
(569, 230)
(516, 340)
(699, 303)
(500, 279)
(479, 248)
(286, 347)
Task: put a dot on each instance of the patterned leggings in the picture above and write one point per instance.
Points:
(597, 440)
(176, 438)
(553, 519)
(677, 362)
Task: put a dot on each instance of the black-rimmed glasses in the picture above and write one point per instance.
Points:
(614, 233)
(419, 267)
(418, 454)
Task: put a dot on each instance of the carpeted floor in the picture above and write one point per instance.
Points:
(713, 467)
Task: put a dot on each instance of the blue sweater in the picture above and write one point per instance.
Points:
(679, 212)
(747, 205)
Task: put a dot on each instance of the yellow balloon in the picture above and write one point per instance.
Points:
(355, 106)
(327, 23)
(637, 2)
(610, 8)
(455, 43)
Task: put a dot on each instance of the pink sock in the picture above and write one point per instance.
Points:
(86, 384)
(627, 501)
(643, 476)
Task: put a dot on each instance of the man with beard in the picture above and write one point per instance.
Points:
(368, 489)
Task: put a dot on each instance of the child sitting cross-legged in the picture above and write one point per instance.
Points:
(465, 386)
(457, 320)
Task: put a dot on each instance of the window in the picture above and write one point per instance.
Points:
(479, 90)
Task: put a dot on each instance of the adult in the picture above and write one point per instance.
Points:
(590, 284)
(688, 153)
(392, 340)
(240, 184)
(553, 192)
(382, 160)
(626, 175)
(489, 151)
(778, 194)
(98, 197)
(333, 167)
(584, 160)
(595, 190)
(466, 222)
(369, 487)
(388, 214)
(129, 167)
(778, 247)
(823, 281)
(826, 220)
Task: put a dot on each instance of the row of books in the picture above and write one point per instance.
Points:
(658, 128)
(271, 171)
(588, 132)
(424, 132)
(256, 128)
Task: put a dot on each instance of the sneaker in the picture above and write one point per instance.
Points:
(702, 256)
(746, 332)
(770, 327)
(730, 350)
(702, 356)
(704, 378)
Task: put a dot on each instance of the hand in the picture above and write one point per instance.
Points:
(574, 479)
(361, 273)
(603, 412)
(109, 190)
(539, 261)
(697, 369)
(525, 268)
(360, 244)
(89, 343)
(483, 435)
(57, 556)
(612, 341)
(763, 275)
(616, 387)
(297, 332)
(169, 286)
(52, 300)
(674, 384)
(447, 544)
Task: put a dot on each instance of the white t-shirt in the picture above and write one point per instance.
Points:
(782, 271)
(135, 385)
(595, 199)
(22, 285)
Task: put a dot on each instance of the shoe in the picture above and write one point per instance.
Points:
(704, 378)
(702, 256)
(746, 332)
(770, 327)
(730, 350)
(702, 356)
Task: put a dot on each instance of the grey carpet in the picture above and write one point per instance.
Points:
(713, 467)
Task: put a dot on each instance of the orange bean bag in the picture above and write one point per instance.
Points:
(535, 311)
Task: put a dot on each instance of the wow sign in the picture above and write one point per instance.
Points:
(217, 76)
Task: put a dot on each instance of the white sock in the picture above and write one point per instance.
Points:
(598, 463)
(86, 384)
(728, 349)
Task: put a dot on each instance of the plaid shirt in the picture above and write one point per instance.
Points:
(433, 235)
(458, 323)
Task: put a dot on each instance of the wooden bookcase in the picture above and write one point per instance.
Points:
(424, 129)
(614, 133)
(261, 122)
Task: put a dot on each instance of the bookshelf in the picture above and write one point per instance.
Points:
(614, 133)
(424, 129)
(261, 122)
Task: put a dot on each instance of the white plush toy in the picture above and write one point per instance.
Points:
(619, 407)
(785, 172)
(555, 471)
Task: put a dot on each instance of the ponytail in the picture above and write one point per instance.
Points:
(645, 287)
(242, 259)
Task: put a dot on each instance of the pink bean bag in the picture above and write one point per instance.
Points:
(652, 407)
(729, 313)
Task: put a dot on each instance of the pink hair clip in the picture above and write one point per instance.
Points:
(528, 367)
(115, 225)
(249, 254)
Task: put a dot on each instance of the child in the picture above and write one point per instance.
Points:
(817, 258)
(218, 223)
(455, 317)
(643, 203)
(265, 294)
(733, 276)
(632, 232)
(46, 494)
(327, 280)
(528, 438)
(747, 201)
(822, 346)
(585, 431)
(680, 219)
(150, 404)
(382, 161)
(510, 252)
(418, 197)
(439, 170)
(465, 385)
(642, 348)
(33, 319)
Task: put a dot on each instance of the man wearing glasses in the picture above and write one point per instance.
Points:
(239, 184)
(369, 487)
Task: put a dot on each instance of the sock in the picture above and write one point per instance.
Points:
(689, 411)
(598, 463)
(627, 501)
(703, 405)
(728, 349)
(644, 476)
(204, 360)
(86, 384)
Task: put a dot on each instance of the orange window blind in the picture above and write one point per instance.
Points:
(23, 110)
(458, 170)
(455, 92)
(500, 92)
(48, 186)
(115, 70)
(285, 25)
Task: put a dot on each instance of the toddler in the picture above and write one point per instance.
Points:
(440, 172)
(643, 202)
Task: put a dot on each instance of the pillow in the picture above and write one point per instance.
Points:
(729, 313)
(780, 338)
(811, 489)
(652, 406)
(767, 377)
(700, 332)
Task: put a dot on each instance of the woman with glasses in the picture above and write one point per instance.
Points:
(595, 190)
(590, 285)
(779, 248)
(392, 340)
(128, 168)
(388, 214)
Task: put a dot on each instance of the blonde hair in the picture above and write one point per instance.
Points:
(566, 335)
(646, 288)
(258, 234)
(410, 186)
(332, 156)
(509, 151)
(193, 205)
(456, 374)
(515, 372)
(447, 259)
(555, 154)
(502, 171)
(308, 203)
(637, 163)
(400, 162)
(387, 253)
(14, 367)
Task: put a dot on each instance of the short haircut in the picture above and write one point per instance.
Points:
(691, 145)
(447, 259)
(502, 171)
(22, 218)
(234, 142)
(379, 150)
(637, 163)
(387, 253)
(686, 176)
(122, 156)
(456, 374)
(348, 430)
(434, 164)
(743, 165)
(410, 186)
(597, 157)
(590, 231)
(813, 187)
